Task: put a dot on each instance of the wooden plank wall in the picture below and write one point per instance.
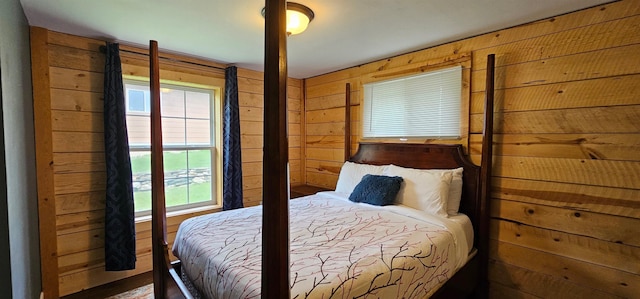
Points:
(250, 94)
(71, 80)
(566, 194)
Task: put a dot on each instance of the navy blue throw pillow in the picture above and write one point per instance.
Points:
(377, 190)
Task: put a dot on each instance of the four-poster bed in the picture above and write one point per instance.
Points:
(469, 276)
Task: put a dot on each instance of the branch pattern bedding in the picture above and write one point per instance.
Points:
(338, 249)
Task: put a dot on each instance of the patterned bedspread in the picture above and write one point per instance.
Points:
(339, 249)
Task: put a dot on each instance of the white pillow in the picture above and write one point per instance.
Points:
(455, 190)
(351, 174)
(423, 189)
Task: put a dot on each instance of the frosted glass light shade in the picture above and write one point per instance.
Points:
(297, 22)
(298, 17)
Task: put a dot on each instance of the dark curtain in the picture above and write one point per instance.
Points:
(232, 162)
(120, 233)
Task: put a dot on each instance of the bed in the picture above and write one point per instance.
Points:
(335, 247)
(340, 248)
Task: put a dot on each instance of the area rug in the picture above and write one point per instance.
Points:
(143, 292)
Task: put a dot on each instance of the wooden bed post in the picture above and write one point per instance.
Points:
(159, 228)
(485, 173)
(347, 123)
(166, 282)
(275, 194)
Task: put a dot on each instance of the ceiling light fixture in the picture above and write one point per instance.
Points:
(298, 17)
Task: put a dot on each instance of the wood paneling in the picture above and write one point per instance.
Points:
(79, 202)
(618, 119)
(78, 80)
(71, 175)
(617, 282)
(606, 200)
(72, 100)
(623, 174)
(531, 283)
(250, 88)
(600, 92)
(573, 146)
(600, 226)
(586, 249)
(44, 160)
(96, 276)
(566, 191)
(78, 162)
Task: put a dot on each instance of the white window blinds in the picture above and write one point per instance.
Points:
(425, 105)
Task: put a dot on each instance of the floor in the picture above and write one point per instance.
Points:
(136, 287)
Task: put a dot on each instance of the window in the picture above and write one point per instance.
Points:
(188, 135)
(425, 105)
(138, 99)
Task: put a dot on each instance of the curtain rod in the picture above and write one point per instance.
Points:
(103, 49)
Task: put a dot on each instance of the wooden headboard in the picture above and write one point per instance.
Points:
(431, 156)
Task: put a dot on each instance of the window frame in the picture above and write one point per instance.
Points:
(461, 59)
(215, 86)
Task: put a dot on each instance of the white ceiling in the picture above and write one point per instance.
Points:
(344, 33)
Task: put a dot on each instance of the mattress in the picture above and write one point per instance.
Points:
(338, 249)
